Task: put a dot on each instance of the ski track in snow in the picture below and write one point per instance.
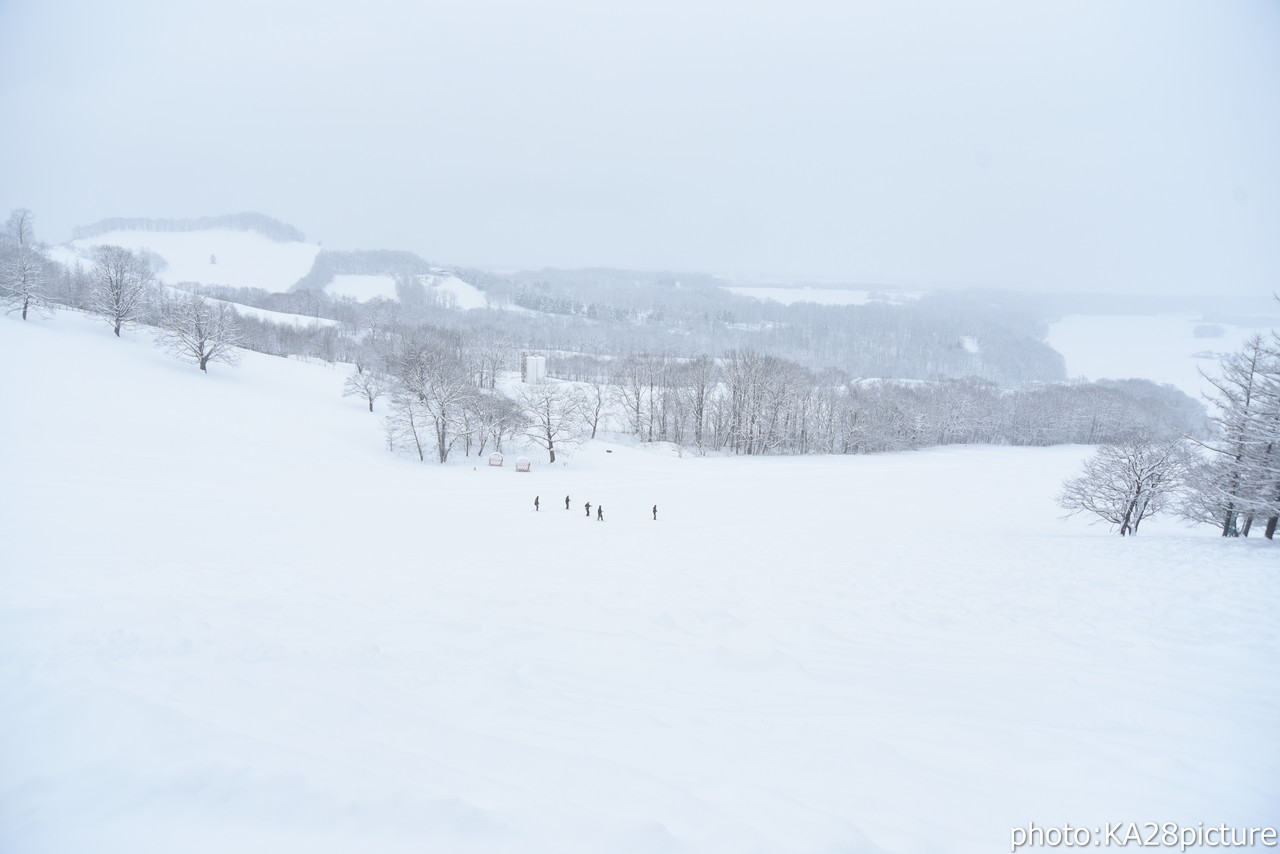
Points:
(230, 620)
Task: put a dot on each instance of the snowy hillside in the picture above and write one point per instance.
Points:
(362, 286)
(279, 317)
(454, 292)
(231, 621)
(243, 258)
(441, 287)
(240, 258)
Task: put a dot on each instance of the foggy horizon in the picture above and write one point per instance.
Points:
(1061, 147)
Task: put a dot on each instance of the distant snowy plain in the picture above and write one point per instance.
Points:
(209, 256)
(1158, 347)
(231, 621)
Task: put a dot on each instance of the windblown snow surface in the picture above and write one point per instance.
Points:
(231, 621)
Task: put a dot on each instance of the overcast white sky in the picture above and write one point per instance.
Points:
(1056, 145)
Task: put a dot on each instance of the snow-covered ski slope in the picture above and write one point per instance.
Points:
(361, 287)
(230, 621)
(248, 259)
(442, 286)
(454, 292)
(244, 258)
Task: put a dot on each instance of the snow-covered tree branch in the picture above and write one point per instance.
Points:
(121, 286)
(1128, 481)
(201, 330)
(553, 415)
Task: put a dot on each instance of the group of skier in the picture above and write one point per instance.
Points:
(599, 508)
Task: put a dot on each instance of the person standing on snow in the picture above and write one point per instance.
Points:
(600, 513)
(588, 509)
(566, 502)
(535, 503)
(655, 512)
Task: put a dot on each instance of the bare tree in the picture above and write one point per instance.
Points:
(698, 381)
(121, 288)
(631, 381)
(758, 388)
(490, 353)
(22, 280)
(408, 422)
(19, 227)
(437, 376)
(204, 331)
(365, 382)
(22, 265)
(1128, 481)
(594, 400)
(495, 417)
(552, 413)
(448, 392)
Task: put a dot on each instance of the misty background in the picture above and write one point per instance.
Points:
(1052, 146)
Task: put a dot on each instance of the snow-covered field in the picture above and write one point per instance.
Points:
(230, 621)
(244, 258)
(447, 289)
(1160, 347)
(456, 292)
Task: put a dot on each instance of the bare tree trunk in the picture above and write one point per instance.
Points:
(1124, 523)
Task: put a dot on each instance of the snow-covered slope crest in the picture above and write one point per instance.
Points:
(440, 286)
(231, 621)
(209, 256)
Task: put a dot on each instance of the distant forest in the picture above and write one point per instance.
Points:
(272, 229)
(666, 357)
(679, 359)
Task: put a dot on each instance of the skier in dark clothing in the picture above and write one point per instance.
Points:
(566, 502)
(535, 502)
(655, 512)
(600, 513)
(588, 509)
